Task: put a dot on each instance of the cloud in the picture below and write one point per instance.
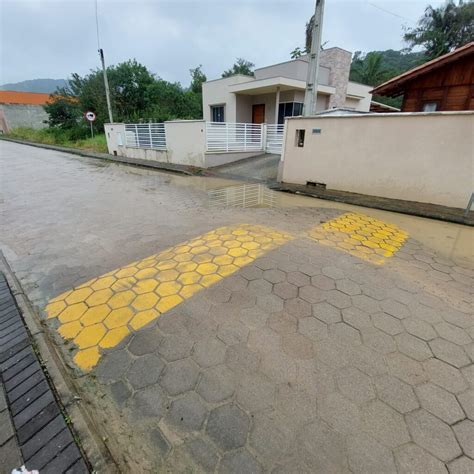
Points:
(52, 38)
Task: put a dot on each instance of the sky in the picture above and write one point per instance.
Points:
(53, 38)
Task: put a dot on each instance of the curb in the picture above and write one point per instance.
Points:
(96, 451)
(167, 167)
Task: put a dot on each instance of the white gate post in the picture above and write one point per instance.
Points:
(263, 139)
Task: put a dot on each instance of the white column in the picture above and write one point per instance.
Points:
(277, 104)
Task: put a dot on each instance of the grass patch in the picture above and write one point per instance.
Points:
(58, 137)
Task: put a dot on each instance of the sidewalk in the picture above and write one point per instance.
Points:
(34, 431)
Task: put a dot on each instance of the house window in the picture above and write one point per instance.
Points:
(217, 113)
(430, 106)
(289, 109)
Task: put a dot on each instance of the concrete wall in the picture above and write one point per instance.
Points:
(185, 143)
(18, 115)
(362, 94)
(415, 157)
(217, 93)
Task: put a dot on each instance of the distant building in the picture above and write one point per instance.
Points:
(22, 109)
(277, 91)
(443, 84)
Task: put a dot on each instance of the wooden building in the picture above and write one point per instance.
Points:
(445, 83)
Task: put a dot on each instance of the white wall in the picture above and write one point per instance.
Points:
(415, 157)
(217, 93)
(362, 103)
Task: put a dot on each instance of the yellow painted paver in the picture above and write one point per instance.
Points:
(360, 235)
(102, 312)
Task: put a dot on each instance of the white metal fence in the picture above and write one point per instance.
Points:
(227, 136)
(145, 135)
(274, 138)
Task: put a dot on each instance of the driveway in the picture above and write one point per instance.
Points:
(209, 339)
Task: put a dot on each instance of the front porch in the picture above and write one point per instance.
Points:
(272, 99)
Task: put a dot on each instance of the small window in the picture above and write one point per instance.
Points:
(430, 106)
(289, 109)
(217, 113)
(300, 138)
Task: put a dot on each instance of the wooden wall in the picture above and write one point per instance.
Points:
(452, 87)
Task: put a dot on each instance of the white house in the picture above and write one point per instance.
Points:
(277, 91)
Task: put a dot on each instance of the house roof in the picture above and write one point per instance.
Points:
(396, 86)
(24, 98)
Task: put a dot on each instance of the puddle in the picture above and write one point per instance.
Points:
(245, 195)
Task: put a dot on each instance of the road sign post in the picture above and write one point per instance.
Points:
(90, 117)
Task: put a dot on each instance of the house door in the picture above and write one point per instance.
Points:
(258, 113)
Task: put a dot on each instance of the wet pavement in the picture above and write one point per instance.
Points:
(310, 337)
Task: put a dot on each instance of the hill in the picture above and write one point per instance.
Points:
(46, 86)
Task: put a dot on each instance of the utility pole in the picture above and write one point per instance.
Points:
(311, 91)
(106, 83)
(104, 69)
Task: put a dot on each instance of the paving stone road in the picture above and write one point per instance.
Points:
(307, 358)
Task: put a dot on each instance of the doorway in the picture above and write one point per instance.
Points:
(258, 113)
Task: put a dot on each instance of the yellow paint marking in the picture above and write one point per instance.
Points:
(362, 236)
(100, 313)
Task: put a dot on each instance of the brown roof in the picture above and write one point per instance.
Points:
(395, 86)
(25, 98)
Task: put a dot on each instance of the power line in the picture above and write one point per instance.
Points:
(391, 13)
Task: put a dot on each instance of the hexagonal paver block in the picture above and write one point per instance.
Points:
(461, 465)
(396, 393)
(313, 329)
(146, 285)
(270, 448)
(241, 359)
(77, 296)
(343, 415)
(356, 318)
(255, 392)
(187, 413)
(312, 294)
(387, 323)
(323, 448)
(445, 375)
(298, 279)
(260, 287)
(239, 461)
(232, 332)
(419, 328)
(217, 384)
(433, 435)
(274, 276)
(323, 282)
(453, 333)
(90, 336)
(412, 458)
(298, 308)
(180, 376)
(113, 366)
(149, 402)
(406, 369)
(449, 352)
(99, 297)
(270, 303)
(326, 313)
(355, 385)
(72, 312)
(145, 371)
(122, 299)
(285, 290)
(118, 317)
(338, 299)
(413, 347)
(385, 424)
(168, 288)
(366, 303)
(465, 435)
(254, 317)
(209, 352)
(439, 402)
(174, 347)
(378, 340)
(348, 287)
(466, 399)
(145, 342)
(344, 334)
(95, 315)
(366, 455)
(228, 427)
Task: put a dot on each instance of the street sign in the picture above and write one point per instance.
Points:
(90, 116)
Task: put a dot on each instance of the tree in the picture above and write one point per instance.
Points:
(241, 66)
(197, 78)
(440, 30)
(369, 69)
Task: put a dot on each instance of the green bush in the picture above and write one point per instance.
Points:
(73, 138)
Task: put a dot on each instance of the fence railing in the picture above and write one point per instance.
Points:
(274, 138)
(227, 136)
(145, 135)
